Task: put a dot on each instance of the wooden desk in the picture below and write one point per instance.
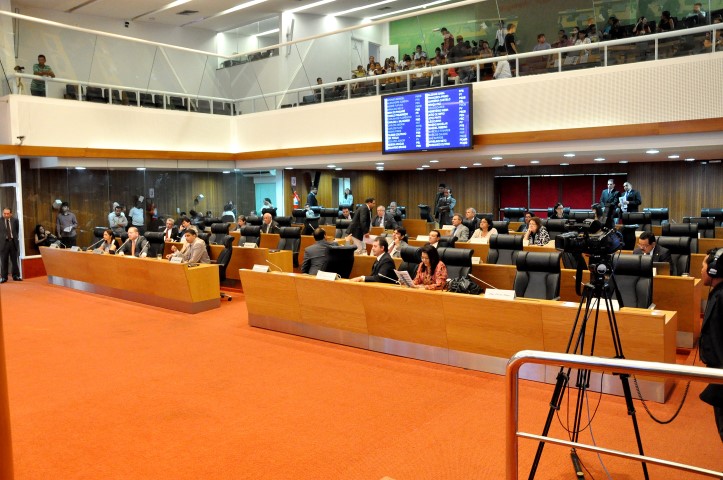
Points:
(513, 226)
(248, 257)
(149, 281)
(718, 232)
(705, 244)
(481, 250)
(363, 265)
(460, 330)
(416, 227)
(269, 240)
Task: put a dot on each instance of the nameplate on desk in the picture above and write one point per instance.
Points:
(75, 249)
(97, 251)
(615, 304)
(321, 275)
(423, 238)
(476, 260)
(479, 240)
(176, 259)
(498, 294)
(260, 268)
(447, 227)
(249, 245)
(55, 245)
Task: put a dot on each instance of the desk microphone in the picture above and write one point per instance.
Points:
(480, 280)
(121, 247)
(274, 265)
(94, 245)
(389, 278)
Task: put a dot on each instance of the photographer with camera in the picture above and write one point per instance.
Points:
(37, 87)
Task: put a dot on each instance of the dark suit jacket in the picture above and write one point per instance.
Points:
(389, 222)
(634, 200)
(14, 228)
(272, 228)
(383, 266)
(361, 222)
(311, 200)
(174, 233)
(610, 198)
(316, 257)
(141, 245)
(660, 254)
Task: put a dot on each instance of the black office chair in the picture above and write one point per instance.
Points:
(658, 216)
(502, 226)
(411, 258)
(425, 213)
(328, 215)
(283, 221)
(252, 233)
(290, 239)
(716, 213)
(457, 260)
(156, 243)
(565, 212)
(538, 275)
(341, 227)
(254, 220)
(223, 260)
(208, 221)
(176, 103)
(634, 279)
(642, 220)
(514, 214)
(580, 215)
(706, 225)
(555, 227)
(98, 233)
(341, 259)
(219, 231)
(298, 215)
(271, 210)
(680, 249)
(206, 237)
(504, 249)
(447, 241)
(689, 230)
(95, 94)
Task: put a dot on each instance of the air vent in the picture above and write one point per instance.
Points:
(384, 8)
(187, 12)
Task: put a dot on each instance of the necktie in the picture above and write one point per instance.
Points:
(133, 248)
(8, 229)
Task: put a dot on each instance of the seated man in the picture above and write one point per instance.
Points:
(383, 268)
(384, 219)
(399, 241)
(460, 232)
(523, 227)
(393, 209)
(136, 245)
(268, 225)
(195, 252)
(345, 214)
(472, 221)
(434, 237)
(185, 224)
(648, 246)
(316, 256)
(170, 233)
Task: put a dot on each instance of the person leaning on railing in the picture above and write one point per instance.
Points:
(37, 87)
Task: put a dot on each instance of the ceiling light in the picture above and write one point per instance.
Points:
(569, 155)
(598, 159)
(652, 151)
(420, 168)
(267, 32)
(380, 163)
(364, 7)
(496, 158)
(162, 9)
(140, 169)
(463, 167)
(534, 161)
(226, 171)
(337, 168)
(425, 166)
(80, 168)
(238, 169)
(434, 161)
(673, 157)
(510, 165)
(331, 166)
(431, 4)
(690, 159)
(238, 7)
(564, 164)
(289, 168)
(476, 164)
(623, 161)
(310, 5)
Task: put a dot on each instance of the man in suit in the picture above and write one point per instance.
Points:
(648, 246)
(311, 198)
(630, 200)
(434, 237)
(171, 231)
(711, 332)
(440, 194)
(610, 196)
(384, 219)
(470, 219)
(446, 207)
(136, 245)
(460, 232)
(345, 214)
(268, 225)
(383, 268)
(361, 223)
(398, 242)
(185, 225)
(316, 256)
(196, 251)
(9, 246)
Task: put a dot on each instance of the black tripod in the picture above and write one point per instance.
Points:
(600, 290)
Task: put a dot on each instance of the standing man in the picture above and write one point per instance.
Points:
(9, 246)
(66, 226)
(117, 221)
(711, 333)
(383, 268)
(136, 215)
(360, 224)
(268, 225)
(440, 194)
(630, 199)
(610, 196)
(311, 198)
(37, 87)
(446, 208)
(136, 245)
(384, 219)
(460, 232)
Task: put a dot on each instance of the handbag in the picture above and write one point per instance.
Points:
(463, 285)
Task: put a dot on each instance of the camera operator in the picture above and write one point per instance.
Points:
(711, 333)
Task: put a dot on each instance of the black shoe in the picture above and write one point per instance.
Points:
(3, 280)
(17, 278)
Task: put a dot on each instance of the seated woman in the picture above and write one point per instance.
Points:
(666, 23)
(43, 238)
(558, 212)
(485, 230)
(108, 245)
(431, 273)
(536, 234)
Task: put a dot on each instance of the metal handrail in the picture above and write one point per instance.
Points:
(598, 364)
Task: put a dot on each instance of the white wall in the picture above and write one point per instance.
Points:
(7, 56)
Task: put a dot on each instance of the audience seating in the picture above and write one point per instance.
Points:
(95, 94)
(156, 243)
(488, 215)
(252, 233)
(538, 275)
(565, 212)
(706, 225)
(411, 258)
(640, 219)
(254, 220)
(504, 249)
(131, 97)
(658, 216)
(222, 108)
(177, 103)
(514, 214)
(223, 260)
(446, 241)
(206, 237)
(680, 250)
(283, 221)
(291, 240)
(203, 106)
(425, 212)
(555, 227)
(634, 279)
(328, 215)
(457, 260)
(229, 219)
(271, 210)
(115, 97)
(689, 230)
(71, 92)
(580, 215)
(208, 221)
(147, 100)
(341, 226)
(219, 232)
(341, 259)
(502, 226)
(716, 213)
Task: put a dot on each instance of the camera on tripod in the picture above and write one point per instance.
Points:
(19, 68)
(589, 237)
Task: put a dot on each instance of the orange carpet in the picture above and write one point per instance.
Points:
(106, 389)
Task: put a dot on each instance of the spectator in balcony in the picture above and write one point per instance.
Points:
(447, 41)
(438, 57)
(541, 43)
(510, 42)
(560, 41)
(502, 67)
(592, 33)
(612, 30)
(666, 23)
(500, 35)
(486, 52)
(371, 64)
(641, 27)
(573, 36)
(37, 87)
(339, 90)
(697, 16)
(420, 54)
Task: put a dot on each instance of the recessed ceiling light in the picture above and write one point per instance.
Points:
(534, 161)
(564, 164)
(598, 159)
(434, 161)
(442, 170)
(569, 155)
(80, 168)
(420, 168)
(287, 168)
(652, 151)
(403, 10)
(380, 163)
(425, 166)
(463, 167)
(496, 158)
(310, 5)
(140, 169)
(331, 166)
(356, 9)
(226, 171)
(690, 159)
(477, 164)
(510, 165)
(623, 161)
(673, 157)
(337, 168)
(238, 169)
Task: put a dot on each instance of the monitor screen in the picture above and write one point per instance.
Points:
(427, 120)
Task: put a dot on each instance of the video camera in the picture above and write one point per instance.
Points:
(595, 237)
(19, 68)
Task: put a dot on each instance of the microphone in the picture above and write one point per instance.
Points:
(94, 245)
(274, 265)
(389, 278)
(480, 280)
(144, 250)
(121, 247)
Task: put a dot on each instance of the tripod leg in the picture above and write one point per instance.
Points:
(557, 395)
(624, 379)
